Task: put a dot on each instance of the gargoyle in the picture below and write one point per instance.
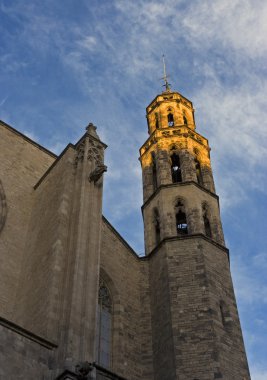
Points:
(97, 173)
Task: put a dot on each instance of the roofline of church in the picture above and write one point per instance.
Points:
(28, 139)
(124, 242)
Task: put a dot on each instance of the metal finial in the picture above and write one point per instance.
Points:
(167, 85)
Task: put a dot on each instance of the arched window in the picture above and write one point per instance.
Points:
(170, 120)
(206, 221)
(198, 172)
(181, 223)
(207, 226)
(104, 326)
(176, 168)
(185, 120)
(157, 226)
(154, 172)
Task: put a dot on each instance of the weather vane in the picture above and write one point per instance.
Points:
(167, 85)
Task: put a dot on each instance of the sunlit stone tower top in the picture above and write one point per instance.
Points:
(176, 159)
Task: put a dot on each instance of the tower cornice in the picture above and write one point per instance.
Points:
(186, 237)
(169, 132)
(168, 97)
(161, 187)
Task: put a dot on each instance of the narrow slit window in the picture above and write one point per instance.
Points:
(198, 172)
(207, 226)
(157, 226)
(176, 168)
(185, 120)
(157, 120)
(170, 120)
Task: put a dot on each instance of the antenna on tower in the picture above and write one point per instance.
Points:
(167, 85)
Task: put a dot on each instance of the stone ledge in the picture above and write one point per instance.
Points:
(27, 334)
(161, 187)
(186, 237)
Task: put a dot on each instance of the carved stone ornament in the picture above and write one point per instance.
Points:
(83, 369)
(97, 173)
(94, 153)
(80, 153)
(3, 207)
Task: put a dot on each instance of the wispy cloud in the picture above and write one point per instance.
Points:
(2, 102)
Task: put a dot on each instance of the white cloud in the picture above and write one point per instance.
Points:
(238, 24)
(258, 374)
(249, 276)
(88, 43)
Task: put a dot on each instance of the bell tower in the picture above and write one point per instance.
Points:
(195, 325)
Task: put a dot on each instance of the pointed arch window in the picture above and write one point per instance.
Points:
(185, 120)
(181, 222)
(198, 172)
(207, 226)
(104, 326)
(170, 120)
(206, 221)
(176, 168)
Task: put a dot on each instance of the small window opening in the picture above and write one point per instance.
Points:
(170, 120)
(207, 226)
(157, 120)
(206, 220)
(198, 172)
(157, 226)
(154, 172)
(181, 223)
(176, 168)
(185, 120)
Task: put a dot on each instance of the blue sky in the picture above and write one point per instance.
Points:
(65, 63)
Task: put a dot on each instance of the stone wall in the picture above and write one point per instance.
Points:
(40, 295)
(208, 345)
(23, 356)
(22, 163)
(127, 278)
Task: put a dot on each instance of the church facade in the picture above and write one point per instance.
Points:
(76, 302)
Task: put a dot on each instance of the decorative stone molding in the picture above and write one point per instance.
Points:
(3, 207)
(95, 152)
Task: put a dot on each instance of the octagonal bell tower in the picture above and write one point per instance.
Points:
(195, 324)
